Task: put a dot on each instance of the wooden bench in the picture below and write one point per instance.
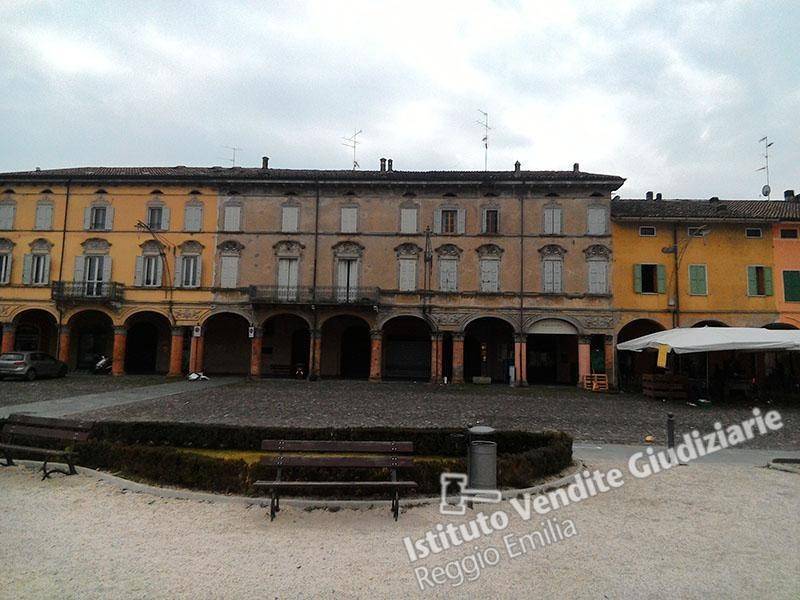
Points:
(321, 454)
(43, 428)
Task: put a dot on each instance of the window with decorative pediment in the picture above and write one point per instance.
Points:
(552, 268)
(193, 213)
(229, 254)
(99, 215)
(157, 217)
(489, 267)
(347, 258)
(232, 213)
(36, 265)
(44, 212)
(288, 253)
(188, 265)
(93, 267)
(407, 266)
(449, 256)
(149, 270)
(597, 260)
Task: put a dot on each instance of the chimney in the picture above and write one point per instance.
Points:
(576, 168)
(389, 165)
(265, 162)
(788, 195)
(383, 165)
(714, 199)
(517, 166)
(658, 196)
(648, 196)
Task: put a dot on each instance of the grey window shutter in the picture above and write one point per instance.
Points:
(159, 271)
(80, 264)
(7, 278)
(437, 221)
(27, 265)
(138, 274)
(199, 280)
(87, 217)
(106, 268)
(109, 218)
(165, 219)
(46, 269)
(229, 271)
(462, 220)
(178, 275)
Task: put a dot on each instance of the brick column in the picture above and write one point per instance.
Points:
(118, 354)
(176, 353)
(196, 353)
(255, 352)
(521, 359)
(376, 355)
(611, 361)
(584, 358)
(9, 334)
(315, 352)
(436, 358)
(63, 344)
(458, 358)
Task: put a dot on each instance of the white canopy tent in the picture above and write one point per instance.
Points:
(711, 339)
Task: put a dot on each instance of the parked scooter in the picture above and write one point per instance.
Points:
(102, 366)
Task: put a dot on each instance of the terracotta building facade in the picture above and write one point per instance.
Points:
(503, 276)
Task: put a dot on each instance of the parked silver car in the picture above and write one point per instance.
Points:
(30, 365)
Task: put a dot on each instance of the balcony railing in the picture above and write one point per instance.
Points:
(267, 294)
(100, 292)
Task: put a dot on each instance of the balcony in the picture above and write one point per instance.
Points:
(106, 292)
(267, 294)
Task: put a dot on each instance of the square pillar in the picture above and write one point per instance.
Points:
(584, 358)
(521, 360)
(376, 355)
(196, 354)
(255, 352)
(63, 344)
(436, 358)
(611, 361)
(458, 358)
(315, 350)
(9, 335)
(118, 355)
(176, 353)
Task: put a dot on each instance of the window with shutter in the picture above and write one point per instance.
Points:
(596, 220)
(490, 275)
(698, 285)
(7, 210)
(5, 268)
(407, 276)
(552, 220)
(791, 286)
(347, 279)
(232, 218)
(287, 278)
(598, 277)
(97, 218)
(349, 219)
(155, 216)
(408, 220)
(44, 216)
(289, 218)
(151, 271)
(491, 220)
(552, 275)
(190, 271)
(448, 274)
(40, 269)
(449, 220)
(229, 271)
(193, 217)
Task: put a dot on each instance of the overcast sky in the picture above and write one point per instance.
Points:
(671, 95)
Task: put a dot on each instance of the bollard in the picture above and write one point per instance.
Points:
(482, 465)
(670, 430)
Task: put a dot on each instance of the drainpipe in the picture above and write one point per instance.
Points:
(61, 266)
(311, 374)
(676, 309)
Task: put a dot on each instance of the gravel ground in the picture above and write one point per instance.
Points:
(608, 418)
(13, 391)
(700, 531)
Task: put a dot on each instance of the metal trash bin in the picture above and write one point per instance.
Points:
(482, 458)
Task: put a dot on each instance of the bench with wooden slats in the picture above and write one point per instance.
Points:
(320, 454)
(27, 427)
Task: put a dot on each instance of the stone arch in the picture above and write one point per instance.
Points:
(147, 341)
(488, 348)
(285, 344)
(36, 328)
(224, 310)
(529, 324)
(406, 347)
(709, 323)
(345, 346)
(632, 365)
(127, 316)
(465, 323)
(408, 313)
(91, 334)
(226, 343)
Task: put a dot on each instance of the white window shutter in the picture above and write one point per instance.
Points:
(109, 218)
(46, 269)
(232, 218)
(7, 216)
(177, 276)
(289, 218)
(43, 216)
(408, 220)
(87, 217)
(199, 277)
(462, 220)
(437, 221)
(138, 273)
(229, 271)
(165, 218)
(489, 273)
(448, 275)
(106, 268)
(557, 220)
(407, 279)
(557, 276)
(548, 220)
(283, 272)
(349, 217)
(7, 275)
(27, 264)
(193, 217)
(80, 265)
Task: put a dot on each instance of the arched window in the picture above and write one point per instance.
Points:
(189, 265)
(36, 265)
(552, 268)
(288, 253)
(149, 270)
(597, 259)
(449, 256)
(489, 267)
(347, 257)
(6, 250)
(407, 266)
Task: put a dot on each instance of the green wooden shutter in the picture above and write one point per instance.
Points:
(697, 280)
(768, 289)
(637, 279)
(752, 282)
(662, 279)
(791, 286)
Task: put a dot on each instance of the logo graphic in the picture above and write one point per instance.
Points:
(466, 494)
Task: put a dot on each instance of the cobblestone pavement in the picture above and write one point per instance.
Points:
(608, 418)
(13, 391)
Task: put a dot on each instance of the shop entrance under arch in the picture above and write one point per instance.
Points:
(285, 346)
(552, 346)
(488, 349)
(406, 349)
(346, 348)
(147, 343)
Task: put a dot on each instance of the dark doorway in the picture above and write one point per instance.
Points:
(553, 359)
(632, 365)
(355, 352)
(406, 349)
(227, 345)
(36, 330)
(447, 356)
(286, 346)
(142, 348)
(92, 335)
(488, 349)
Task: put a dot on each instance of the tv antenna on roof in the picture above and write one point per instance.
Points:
(234, 150)
(765, 191)
(352, 142)
(485, 124)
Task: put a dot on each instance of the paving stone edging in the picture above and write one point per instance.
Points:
(181, 494)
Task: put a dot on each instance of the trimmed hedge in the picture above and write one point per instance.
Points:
(152, 452)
